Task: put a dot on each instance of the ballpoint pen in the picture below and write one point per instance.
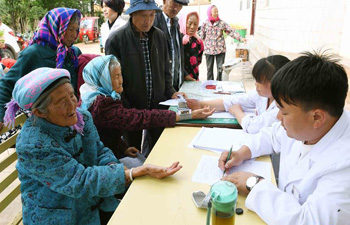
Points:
(228, 158)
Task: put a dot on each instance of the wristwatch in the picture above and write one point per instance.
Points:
(252, 181)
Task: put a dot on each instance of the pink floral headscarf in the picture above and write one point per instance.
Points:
(183, 24)
(210, 17)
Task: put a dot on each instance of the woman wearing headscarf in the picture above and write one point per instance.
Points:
(214, 42)
(101, 96)
(51, 46)
(112, 11)
(193, 45)
(67, 175)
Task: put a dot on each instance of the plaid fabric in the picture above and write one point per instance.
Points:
(144, 44)
(51, 30)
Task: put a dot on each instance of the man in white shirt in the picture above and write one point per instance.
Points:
(313, 139)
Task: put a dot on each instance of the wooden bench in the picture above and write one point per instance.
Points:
(10, 183)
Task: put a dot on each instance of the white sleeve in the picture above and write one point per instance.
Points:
(247, 101)
(329, 203)
(267, 141)
(252, 123)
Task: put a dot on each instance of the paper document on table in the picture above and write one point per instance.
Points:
(234, 88)
(223, 115)
(208, 172)
(170, 102)
(220, 139)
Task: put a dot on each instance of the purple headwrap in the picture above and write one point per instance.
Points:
(30, 87)
(51, 30)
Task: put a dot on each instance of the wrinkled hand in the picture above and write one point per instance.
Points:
(131, 151)
(161, 172)
(202, 113)
(239, 179)
(235, 160)
(174, 96)
(193, 104)
(236, 108)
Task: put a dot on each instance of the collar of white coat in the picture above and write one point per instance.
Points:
(333, 150)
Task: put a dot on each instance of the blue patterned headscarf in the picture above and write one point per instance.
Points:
(97, 81)
(51, 30)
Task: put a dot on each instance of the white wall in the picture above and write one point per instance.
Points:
(284, 26)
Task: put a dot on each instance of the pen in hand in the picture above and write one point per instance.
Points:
(228, 158)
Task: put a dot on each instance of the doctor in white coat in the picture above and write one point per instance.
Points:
(256, 109)
(313, 139)
(112, 10)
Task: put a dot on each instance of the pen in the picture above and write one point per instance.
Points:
(228, 157)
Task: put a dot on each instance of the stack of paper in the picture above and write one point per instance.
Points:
(208, 171)
(220, 139)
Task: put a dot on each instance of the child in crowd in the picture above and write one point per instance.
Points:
(260, 99)
(193, 45)
(313, 141)
(101, 96)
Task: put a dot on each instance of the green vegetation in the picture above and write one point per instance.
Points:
(23, 15)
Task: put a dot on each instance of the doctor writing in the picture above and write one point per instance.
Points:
(312, 138)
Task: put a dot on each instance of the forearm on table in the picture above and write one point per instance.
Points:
(218, 104)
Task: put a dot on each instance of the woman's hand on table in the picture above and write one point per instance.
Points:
(131, 151)
(161, 172)
(153, 171)
(193, 104)
(202, 113)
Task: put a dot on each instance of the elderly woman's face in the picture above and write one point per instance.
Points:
(61, 110)
(71, 34)
(214, 12)
(117, 80)
(192, 24)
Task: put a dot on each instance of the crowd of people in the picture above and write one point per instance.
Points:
(77, 156)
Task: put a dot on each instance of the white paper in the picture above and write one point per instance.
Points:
(208, 172)
(220, 139)
(223, 115)
(234, 88)
(170, 102)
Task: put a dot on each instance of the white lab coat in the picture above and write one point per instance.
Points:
(105, 31)
(253, 101)
(314, 191)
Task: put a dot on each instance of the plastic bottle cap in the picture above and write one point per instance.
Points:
(239, 211)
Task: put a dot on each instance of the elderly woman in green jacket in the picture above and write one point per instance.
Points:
(51, 46)
(67, 175)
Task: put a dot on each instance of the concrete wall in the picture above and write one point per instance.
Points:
(290, 27)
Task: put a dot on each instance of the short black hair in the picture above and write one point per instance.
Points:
(265, 68)
(312, 81)
(116, 5)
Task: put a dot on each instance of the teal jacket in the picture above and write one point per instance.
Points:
(66, 179)
(31, 58)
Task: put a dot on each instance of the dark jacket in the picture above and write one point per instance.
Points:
(111, 118)
(160, 23)
(33, 57)
(126, 46)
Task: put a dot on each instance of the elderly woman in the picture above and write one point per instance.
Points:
(67, 175)
(212, 33)
(51, 46)
(112, 10)
(101, 96)
(193, 45)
